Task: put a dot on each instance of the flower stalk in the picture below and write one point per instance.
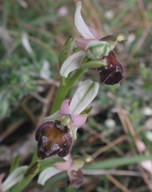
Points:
(64, 88)
(56, 134)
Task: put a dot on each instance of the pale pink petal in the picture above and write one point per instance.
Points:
(78, 120)
(82, 43)
(94, 32)
(147, 165)
(65, 109)
(64, 166)
(81, 25)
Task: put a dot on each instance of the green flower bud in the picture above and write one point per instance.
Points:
(97, 49)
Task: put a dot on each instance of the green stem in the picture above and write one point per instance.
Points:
(64, 89)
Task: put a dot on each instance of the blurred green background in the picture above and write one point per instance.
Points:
(32, 33)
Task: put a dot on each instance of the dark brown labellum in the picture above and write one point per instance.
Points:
(113, 72)
(53, 139)
(75, 178)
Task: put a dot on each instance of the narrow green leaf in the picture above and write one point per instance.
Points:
(28, 176)
(112, 163)
(117, 19)
(14, 178)
(64, 51)
(48, 163)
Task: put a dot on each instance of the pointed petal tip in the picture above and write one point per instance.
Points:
(65, 109)
(78, 120)
(81, 25)
(79, 3)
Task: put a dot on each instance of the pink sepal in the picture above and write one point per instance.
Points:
(78, 120)
(93, 31)
(64, 166)
(82, 43)
(65, 109)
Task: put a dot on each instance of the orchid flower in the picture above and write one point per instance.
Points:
(55, 136)
(72, 168)
(89, 44)
(95, 49)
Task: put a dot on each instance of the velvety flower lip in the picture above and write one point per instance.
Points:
(113, 72)
(75, 178)
(56, 134)
(53, 139)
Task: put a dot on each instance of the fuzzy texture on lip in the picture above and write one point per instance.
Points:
(55, 136)
(113, 72)
(53, 139)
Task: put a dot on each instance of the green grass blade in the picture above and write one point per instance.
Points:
(112, 163)
(48, 163)
(122, 14)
